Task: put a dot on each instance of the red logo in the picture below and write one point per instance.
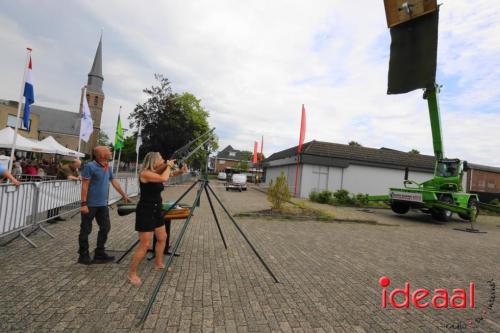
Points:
(422, 298)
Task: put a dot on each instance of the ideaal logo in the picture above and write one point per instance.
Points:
(422, 298)
(439, 298)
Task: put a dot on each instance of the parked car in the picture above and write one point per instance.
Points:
(222, 176)
(237, 182)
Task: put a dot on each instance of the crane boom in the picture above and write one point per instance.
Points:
(431, 95)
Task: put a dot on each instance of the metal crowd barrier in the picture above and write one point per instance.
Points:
(32, 203)
(17, 204)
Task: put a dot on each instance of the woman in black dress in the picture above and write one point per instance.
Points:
(149, 217)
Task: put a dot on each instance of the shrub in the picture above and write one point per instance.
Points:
(361, 200)
(495, 202)
(278, 192)
(313, 196)
(325, 197)
(342, 197)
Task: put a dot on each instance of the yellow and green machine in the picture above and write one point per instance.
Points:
(442, 195)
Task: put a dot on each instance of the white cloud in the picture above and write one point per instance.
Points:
(253, 64)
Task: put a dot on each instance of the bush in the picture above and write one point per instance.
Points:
(278, 193)
(495, 202)
(325, 197)
(313, 196)
(342, 197)
(361, 200)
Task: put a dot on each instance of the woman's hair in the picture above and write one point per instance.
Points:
(150, 161)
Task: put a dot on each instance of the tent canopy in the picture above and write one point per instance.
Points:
(59, 148)
(22, 143)
(47, 146)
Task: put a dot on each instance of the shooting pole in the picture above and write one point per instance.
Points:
(21, 95)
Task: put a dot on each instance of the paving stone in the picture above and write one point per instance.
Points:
(328, 275)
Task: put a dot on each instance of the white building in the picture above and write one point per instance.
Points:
(333, 166)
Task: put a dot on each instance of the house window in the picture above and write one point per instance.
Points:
(222, 162)
(232, 153)
(11, 122)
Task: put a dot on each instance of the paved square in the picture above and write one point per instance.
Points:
(328, 275)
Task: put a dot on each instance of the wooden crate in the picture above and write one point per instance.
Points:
(396, 14)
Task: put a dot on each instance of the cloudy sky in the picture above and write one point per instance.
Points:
(254, 63)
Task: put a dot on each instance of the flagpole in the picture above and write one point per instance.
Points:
(84, 88)
(118, 165)
(299, 148)
(114, 149)
(136, 164)
(137, 148)
(113, 162)
(21, 95)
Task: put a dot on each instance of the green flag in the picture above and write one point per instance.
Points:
(119, 134)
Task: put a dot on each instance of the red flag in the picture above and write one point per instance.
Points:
(302, 129)
(255, 144)
(262, 148)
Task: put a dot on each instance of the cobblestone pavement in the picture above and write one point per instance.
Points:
(328, 276)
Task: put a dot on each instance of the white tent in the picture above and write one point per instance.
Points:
(59, 148)
(22, 143)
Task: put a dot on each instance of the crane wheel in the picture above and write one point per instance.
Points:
(400, 207)
(472, 204)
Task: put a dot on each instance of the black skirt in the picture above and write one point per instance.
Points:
(148, 216)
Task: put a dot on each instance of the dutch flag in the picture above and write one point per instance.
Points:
(29, 96)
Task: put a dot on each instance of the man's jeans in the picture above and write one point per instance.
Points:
(101, 215)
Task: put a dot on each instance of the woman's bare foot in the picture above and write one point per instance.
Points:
(134, 279)
(161, 267)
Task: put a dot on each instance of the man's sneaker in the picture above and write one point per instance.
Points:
(84, 258)
(101, 255)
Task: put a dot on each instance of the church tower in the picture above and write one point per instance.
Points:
(95, 99)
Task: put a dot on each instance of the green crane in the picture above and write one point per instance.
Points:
(442, 195)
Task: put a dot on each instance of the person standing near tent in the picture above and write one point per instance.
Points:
(96, 177)
(4, 173)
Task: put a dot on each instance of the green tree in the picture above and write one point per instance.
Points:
(414, 151)
(246, 155)
(170, 120)
(354, 143)
(128, 151)
(243, 165)
(103, 139)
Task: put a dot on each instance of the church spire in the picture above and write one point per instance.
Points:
(95, 76)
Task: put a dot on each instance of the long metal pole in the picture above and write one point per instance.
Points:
(215, 217)
(243, 234)
(170, 258)
(21, 95)
(114, 148)
(118, 165)
(84, 89)
(137, 150)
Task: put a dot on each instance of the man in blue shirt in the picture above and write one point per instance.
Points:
(96, 177)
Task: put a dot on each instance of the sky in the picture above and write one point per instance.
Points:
(254, 63)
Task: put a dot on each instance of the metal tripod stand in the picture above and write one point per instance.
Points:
(204, 186)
